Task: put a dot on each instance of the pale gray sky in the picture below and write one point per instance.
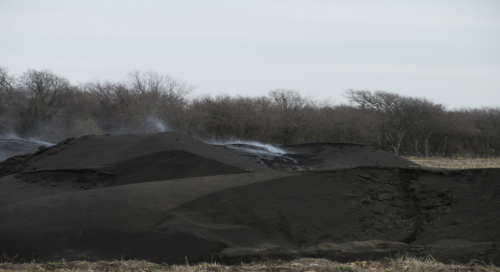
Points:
(445, 50)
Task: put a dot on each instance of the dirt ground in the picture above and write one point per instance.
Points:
(167, 197)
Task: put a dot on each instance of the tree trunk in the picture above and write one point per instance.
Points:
(445, 143)
(426, 146)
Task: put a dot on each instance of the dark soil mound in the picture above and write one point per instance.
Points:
(339, 214)
(316, 156)
(101, 161)
(335, 155)
(130, 197)
(173, 164)
(97, 151)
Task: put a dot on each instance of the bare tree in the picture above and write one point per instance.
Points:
(7, 88)
(429, 122)
(116, 108)
(397, 114)
(289, 113)
(7, 81)
(487, 122)
(218, 116)
(161, 96)
(159, 87)
(47, 93)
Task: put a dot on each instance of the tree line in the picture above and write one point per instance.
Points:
(42, 104)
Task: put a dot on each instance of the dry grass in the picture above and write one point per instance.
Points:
(457, 163)
(405, 263)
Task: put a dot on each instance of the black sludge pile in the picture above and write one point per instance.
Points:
(166, 197)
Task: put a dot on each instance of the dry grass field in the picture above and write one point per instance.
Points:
(405, 263)
(457, 163)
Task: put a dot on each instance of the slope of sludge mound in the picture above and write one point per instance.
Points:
(92, 162)
(96, 151)
(316, 156)
(173, 164)
(344, 215)
(166, 197)
(333, 155)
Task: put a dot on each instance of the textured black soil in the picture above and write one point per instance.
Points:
(166, 197)
(317, 156)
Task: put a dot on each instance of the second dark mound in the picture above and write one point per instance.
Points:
(93, 162)
(311, 156)
(166, 197)
(343, 215)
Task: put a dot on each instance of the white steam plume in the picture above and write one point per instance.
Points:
(158, 124)
(271, 149)
(11, 145)
(31, 139)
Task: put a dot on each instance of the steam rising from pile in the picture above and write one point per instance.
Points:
(252, 146)
(33, 140)
(265, 154)
(158, 124)
(11, 145)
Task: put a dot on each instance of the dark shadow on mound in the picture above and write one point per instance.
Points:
(173, 164)
(168, 165)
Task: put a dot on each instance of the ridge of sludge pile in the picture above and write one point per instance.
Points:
(166, 196)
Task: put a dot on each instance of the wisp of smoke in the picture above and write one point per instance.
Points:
(271, 150)
(265, 154)
(33, 140)
(11, 145)
(158, 124)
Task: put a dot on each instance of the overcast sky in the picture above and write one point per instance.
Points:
(448, 51)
